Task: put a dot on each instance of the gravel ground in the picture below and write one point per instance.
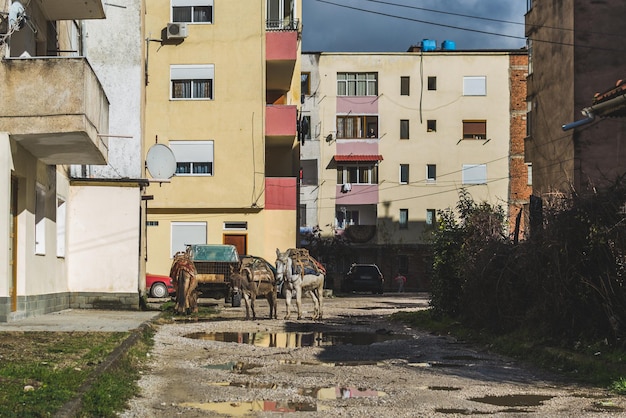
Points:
(354, 363)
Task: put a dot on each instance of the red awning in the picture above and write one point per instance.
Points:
(353, 157)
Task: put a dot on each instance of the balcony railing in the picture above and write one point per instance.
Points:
(283, 24)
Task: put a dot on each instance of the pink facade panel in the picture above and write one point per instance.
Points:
(360, 194)
(280, 120)
(281, 45)
(280, 193)
(350, 147)
(357, 105)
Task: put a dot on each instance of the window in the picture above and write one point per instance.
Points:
(404, 174)
(186, 233)
(61, 212)
(430, 217)
(363, 173)
(196, 11)
(404, 129)
(474, 174)
(305, 128)
(302, 212)
(345, 217)
(357, 127)
(235, 226)
(405, 86)
(529, 118)
(357, 84)
(305, 83)
(529, 180)
(475, 86)
(432, 83)
(280, 14)
(403, 219)
(474, 129)
(191, 81)
(309, 172)
(193, 157)
(431, 173)
(40, 220)
(431, 125)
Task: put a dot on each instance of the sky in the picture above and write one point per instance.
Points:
(395, 25)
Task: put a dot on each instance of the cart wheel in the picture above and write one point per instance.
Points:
(236, 302)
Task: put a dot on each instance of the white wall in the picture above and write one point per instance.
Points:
(102, 239)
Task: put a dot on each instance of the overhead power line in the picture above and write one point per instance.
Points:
(484, 32)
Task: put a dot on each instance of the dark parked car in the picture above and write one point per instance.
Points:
(159, 286)
(363, 278)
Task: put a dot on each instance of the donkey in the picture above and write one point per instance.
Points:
(252, 281)
(294, 276)
(183, 274)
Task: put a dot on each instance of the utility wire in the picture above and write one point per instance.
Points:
(470, 30)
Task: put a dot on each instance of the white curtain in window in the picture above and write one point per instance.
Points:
(192, 72)
(187, 3)
(474, 173)
(184, 233)
(192, 151)
(475, 86)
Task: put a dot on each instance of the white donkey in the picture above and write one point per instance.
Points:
(299, 280)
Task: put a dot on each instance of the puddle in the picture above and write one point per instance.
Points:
(448, 365)
(235, 366)
(296, 339)
(338, 392)
(455, 411)
(245, 408)
(514, 400)
(605, 406)
(444, 388)
(322, 393)
(331, 364)
(462, 358)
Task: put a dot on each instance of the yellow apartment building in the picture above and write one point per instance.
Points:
(223, 95)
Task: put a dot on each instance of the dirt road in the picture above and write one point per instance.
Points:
(354, 363)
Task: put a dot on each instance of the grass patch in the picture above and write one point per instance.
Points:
(41, 371)
(597, 364)
(111, 392)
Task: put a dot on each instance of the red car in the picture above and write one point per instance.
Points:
(159, 286)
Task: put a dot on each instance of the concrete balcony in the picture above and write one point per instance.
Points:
(72, 9)
(281, 55)
(55, 108)
(280, 124)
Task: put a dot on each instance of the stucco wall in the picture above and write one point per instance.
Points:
(103, 239)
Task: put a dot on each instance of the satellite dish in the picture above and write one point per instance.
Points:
(161, 161)
(16, 15)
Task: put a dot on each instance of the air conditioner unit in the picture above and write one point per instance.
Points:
(176, 30)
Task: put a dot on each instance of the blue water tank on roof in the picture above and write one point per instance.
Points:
(429, 45)
(448, 45)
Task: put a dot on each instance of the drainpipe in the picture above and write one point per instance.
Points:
(598, 109)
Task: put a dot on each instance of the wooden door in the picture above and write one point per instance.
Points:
(240, 241)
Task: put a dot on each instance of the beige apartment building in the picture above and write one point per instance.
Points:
(393, 139)
(70, 141)
(223, 95)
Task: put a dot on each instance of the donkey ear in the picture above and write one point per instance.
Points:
(277, 252)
